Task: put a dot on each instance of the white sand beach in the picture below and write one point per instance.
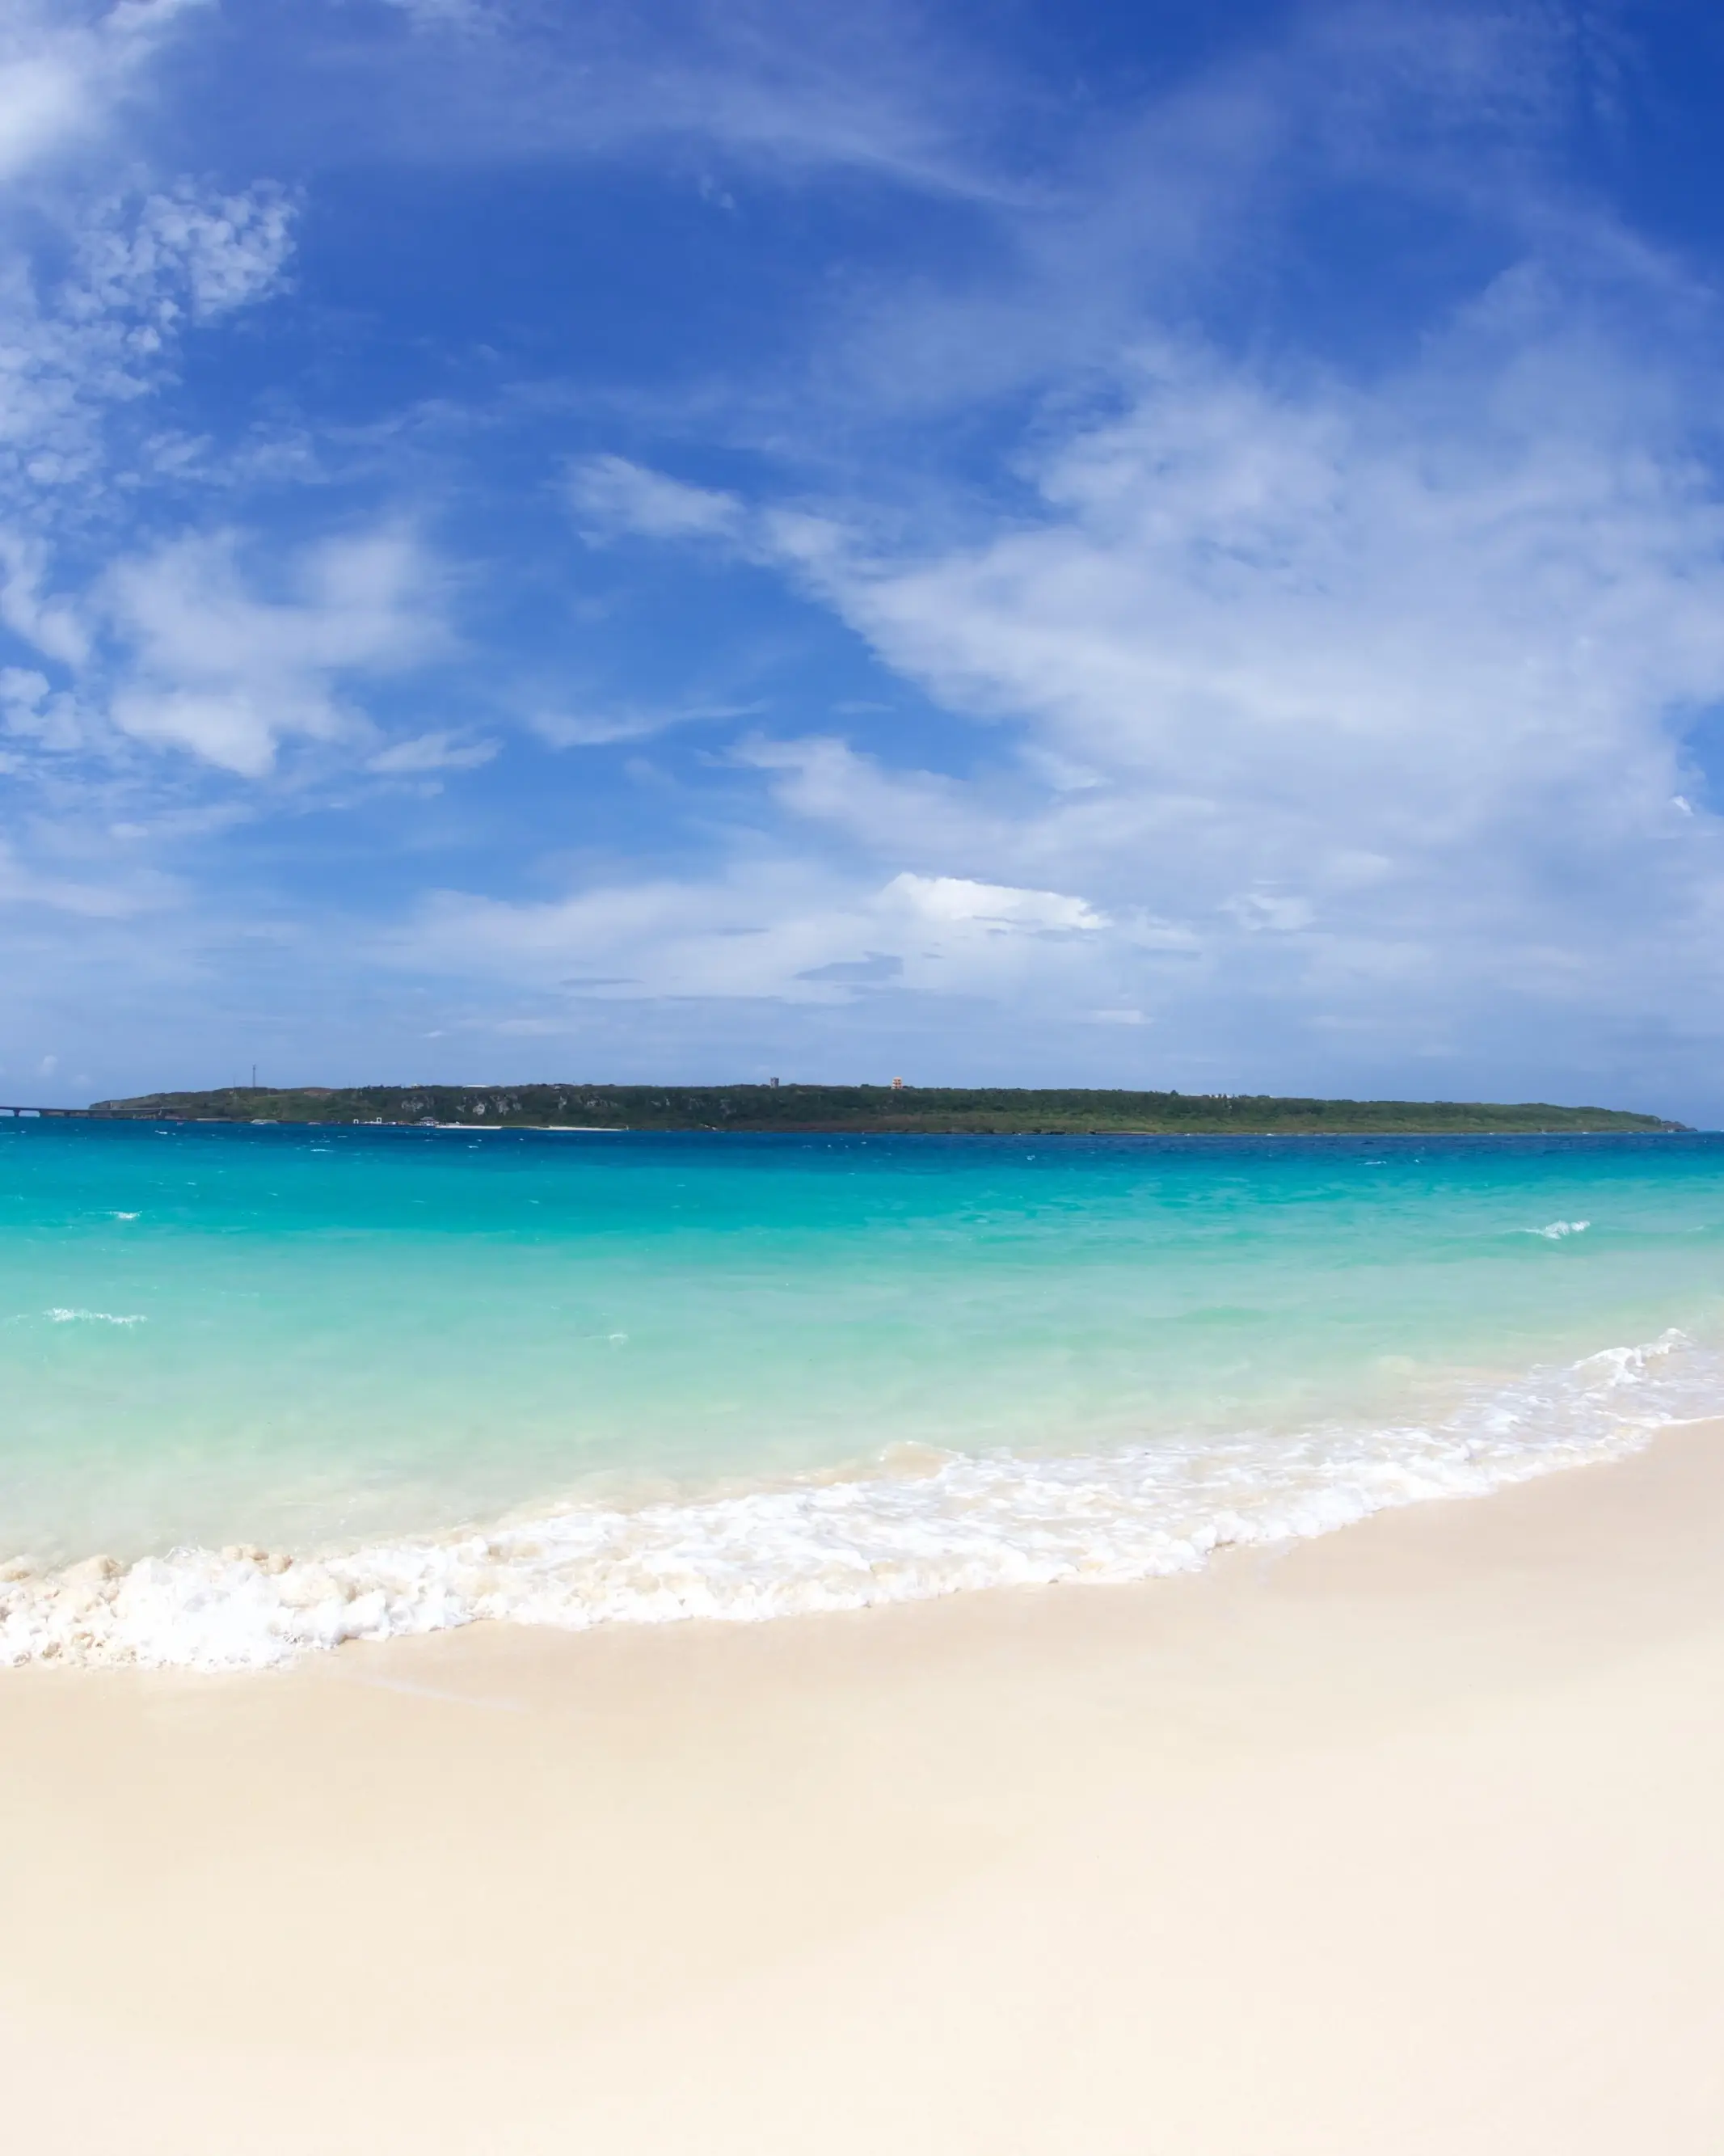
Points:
(1410, 1839)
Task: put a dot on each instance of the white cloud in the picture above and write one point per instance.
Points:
(102, 273)
(1231, 577)
(189, 250)
(49, 625)
(89, 326)
(920, 815)
(1363, 700)
(1344, 700)
(60, 76)
(1266, 911)
(611, 495)
(42, 101)
(995, 908)
(27, 885)
(1395, 675)
(784, 932)
(86, 342)
(31, 710)
(602, 728)
(220, 671)
(424, 753)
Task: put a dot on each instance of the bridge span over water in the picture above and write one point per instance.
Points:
(97, 1115)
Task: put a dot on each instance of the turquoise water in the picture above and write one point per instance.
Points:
(652, 1357)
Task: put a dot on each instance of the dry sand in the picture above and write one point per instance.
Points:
(1407, 1840)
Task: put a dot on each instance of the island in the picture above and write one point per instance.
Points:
(937, 1110)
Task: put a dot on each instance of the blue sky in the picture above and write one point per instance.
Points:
(1124, 545)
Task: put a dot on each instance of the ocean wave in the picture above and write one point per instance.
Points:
(1558, 1228)
(89, 1317)
(962, 1521)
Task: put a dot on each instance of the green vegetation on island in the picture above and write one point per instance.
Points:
(1001, 1110)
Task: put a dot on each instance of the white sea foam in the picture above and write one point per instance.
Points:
(89, 1317)
(1558, 1228)
(967, 1521)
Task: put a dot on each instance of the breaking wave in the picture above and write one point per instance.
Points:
(956, 1521)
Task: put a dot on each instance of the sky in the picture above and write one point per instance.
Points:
(1127, 545)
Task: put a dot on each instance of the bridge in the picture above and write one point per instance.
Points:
(99, 1115)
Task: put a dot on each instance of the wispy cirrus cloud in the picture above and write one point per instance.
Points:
(896, 90)
(422, 755)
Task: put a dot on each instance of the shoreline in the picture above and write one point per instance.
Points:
(1402, 1837)
(823, 1542)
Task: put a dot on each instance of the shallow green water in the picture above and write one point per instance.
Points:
(306, 1338)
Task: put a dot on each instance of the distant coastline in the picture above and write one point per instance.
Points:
(934, 1109)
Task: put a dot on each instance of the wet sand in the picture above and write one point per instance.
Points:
(1410, 1839)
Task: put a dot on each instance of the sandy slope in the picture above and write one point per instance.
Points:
(1408, 1840)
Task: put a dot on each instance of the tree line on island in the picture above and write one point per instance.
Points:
(995, 1109)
